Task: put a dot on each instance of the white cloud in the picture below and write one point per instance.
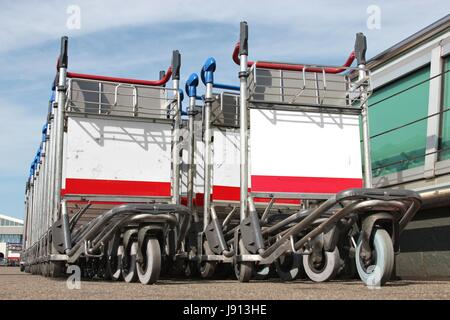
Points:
(27, 23)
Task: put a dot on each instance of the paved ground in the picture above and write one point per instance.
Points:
(17, 285)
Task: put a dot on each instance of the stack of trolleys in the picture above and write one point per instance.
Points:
(217, 185)
(305, 146)
(104, 190)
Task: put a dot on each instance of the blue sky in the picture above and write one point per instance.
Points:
(135, 39)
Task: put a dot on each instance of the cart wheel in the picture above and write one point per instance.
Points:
(243, 269)
(55, 269)
(190, 269)
(289, 266)
(262, 272)
(44, 269)
(207, 268)
(114, 259)
(379, 269)
(324, 270)
(129, 262)
(148, 270)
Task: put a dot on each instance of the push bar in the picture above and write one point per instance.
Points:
(207, 76)
(293, 67)
(123, 80)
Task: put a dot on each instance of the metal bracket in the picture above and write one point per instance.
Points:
(58, 236)
(214, 235)
(251, 233)
(366, 231)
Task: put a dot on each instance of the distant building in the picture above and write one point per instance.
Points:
(11, 230)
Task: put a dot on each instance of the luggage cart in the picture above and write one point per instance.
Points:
(218, 145)
(104, 189)
(305, 145)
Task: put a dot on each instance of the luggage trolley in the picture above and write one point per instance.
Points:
(114, 208)
(305, 145)
(216, 134)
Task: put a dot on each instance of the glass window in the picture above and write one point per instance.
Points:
(390, 107)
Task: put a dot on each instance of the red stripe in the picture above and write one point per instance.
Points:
(117, 187)
(226, 193)
(303, 184)
(223, 193)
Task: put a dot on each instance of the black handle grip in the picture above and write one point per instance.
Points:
(176, 64)
(162, 74)
(360, 48)
(243, 39)
(63, 57)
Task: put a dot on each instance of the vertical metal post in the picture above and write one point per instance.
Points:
(434, 106)
(59, 122)
(360, 52)
(191, 90)
(191, 153)
(243, 75)
(207, 155)
(176, 62)
(52, 156)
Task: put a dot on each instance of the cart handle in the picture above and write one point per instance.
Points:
(123, 80)
(191, 85)
(207, 76)
(293, 67)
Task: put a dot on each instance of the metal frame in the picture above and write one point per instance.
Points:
(50, 235)
(311, 223)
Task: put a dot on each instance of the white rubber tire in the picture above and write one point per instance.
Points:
(328, 272)
(290, 271)
(380, 272)
(244, 269)
(130, 274)
(149, 272)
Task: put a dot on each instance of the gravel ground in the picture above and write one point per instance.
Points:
(18, 285)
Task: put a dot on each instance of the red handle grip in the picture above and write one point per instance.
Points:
(294, 67)
(123, 80)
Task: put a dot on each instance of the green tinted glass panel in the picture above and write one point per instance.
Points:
(445, 138)
(403, 148)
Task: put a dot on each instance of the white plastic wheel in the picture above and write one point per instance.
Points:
(129, 263)
(380, 269)
(149, 270)
(244, 269)
(326, 270)
(114, 265)
(289, 266)
(207, 268)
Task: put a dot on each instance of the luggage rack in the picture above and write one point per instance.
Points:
(225, 110)
(105, 98)
(309, 88)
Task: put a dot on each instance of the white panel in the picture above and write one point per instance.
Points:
(118, 150)
(199, 184)
(226, 157)
(302, 144)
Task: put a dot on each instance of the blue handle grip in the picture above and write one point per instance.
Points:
(191, 85)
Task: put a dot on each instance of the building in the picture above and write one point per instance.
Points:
(410, 141)
(11, 231)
